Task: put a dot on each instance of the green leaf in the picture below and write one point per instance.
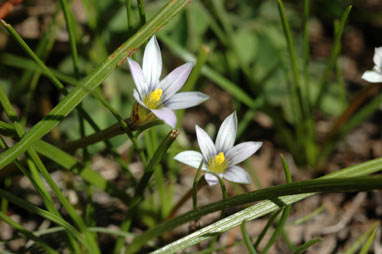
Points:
(91, 81)
(253, 212)
(70, 163)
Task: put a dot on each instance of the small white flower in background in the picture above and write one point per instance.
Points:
(159, 98)
(221, 157)
(375, 76)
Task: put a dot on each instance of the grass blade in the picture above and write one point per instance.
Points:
(91, 81)
(247, 239)
(357, 244)
(370, 240)
(70, 163)
(27, 233)
(250, 213)
(333, 57)
(305, 246)
(45, 214)
(208, 72)
(142, 184)
(293, 59)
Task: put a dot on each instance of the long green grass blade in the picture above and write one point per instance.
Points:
(195, 186)
(208, 72)
(91, 81)
(27, 233)
(33, 162)
(252, 212)
(70, 163)
(72, 38)
(236, 219)
(143, 182)
(247, 239)
(129, 17)
(45, 214)
(286, 210)
(333, 57)
(306, 50)
(305, 246)
(267, 226)
(357, 244)
(27, 64)
(369, 242)
(310, 215)
(42, 50)
(296, 89)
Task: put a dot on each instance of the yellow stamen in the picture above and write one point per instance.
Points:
(218, 163)
(156, 95)
(220, 158)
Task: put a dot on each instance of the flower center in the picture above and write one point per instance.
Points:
(219, 159)
(218, 164)
(153, 100)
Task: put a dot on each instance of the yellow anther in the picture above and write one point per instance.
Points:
(220, 158)
(156, 95)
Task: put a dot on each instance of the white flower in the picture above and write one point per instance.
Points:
(221, 157)
(375, 76)
(160, 97)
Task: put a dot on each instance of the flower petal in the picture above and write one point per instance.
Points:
(152, 63)
(190, 158)
(227, 134)
(166, 115)
(138, 77)
(242, 151)
(211, 179)
(237, 175)
(185, 100)
(372, 76)
(138, 98)
(378, 58)
(175, 80)
(205, 143)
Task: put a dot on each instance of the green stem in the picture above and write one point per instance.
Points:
(129, 16)
(302, 248)
(223, 188)
(27, 233)
(292, 57)
(278, 229)
(32, 160)
(357, 244)
(267, 226)
(106, 134)
(194, 75)
(50, 75)
(333, 57)
(72, 38)
(247, 239)
(286, 210)
(45, 214)
(142, 184)
(306, 51)
(141, 9)
(326, 184)
(126, 127)
(88, 84)
(195, 186)
(26, 64)
(286, 169)
(208, 72)
(89, 175)
(369, 242)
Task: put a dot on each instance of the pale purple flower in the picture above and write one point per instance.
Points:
(160, 97)
(221, 157)
(375, 76)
